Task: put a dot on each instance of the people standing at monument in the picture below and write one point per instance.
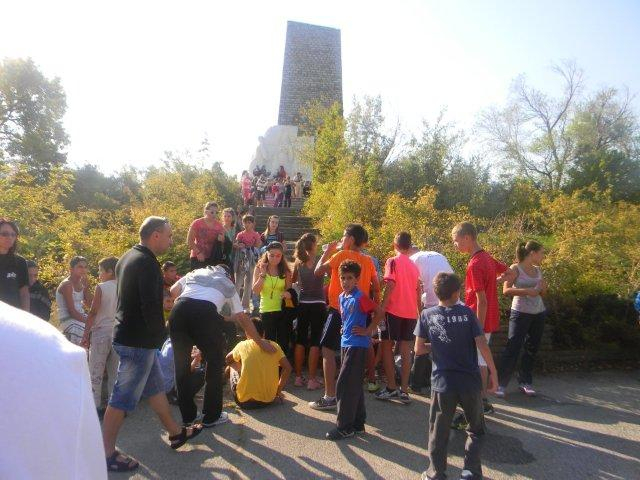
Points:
(348, 248)
(138, 334)
(196, 319)
(297, 185)
(261, 190)
(246, 186)
(401, 302)
(98, 332)
(481, 295)
(204, 235)
(14, 275)
(73, 299)
(526, 323)
(355, 308)
(456, 339)
(248, 241)
(312, 310)
(288, 189)
(40, 301)
(272, 280)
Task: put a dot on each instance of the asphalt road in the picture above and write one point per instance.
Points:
(581, 426)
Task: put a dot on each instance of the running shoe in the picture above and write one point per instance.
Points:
(386, 394)
(487, 408)
(469, 475)
(223, 418)
(373, 386)
(337, 434)
(404, 397)
(324, 404)
(527, 389)
(313, 384)
(500, 393)
(300, 382)
(459, 422)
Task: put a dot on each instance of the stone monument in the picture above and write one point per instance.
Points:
(312, 72)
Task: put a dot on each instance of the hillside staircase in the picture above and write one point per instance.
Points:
(293, 224)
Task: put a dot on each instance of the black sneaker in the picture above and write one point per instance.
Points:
(487, 407)
(324, 404)
(459, 422)
(337, 434)
(387, 394)
(404, 397)
(359, 429)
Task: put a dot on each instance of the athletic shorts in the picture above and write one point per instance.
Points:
(398, 328)
(139, 375)
(310, 315)
(481, 361)
(331, 332)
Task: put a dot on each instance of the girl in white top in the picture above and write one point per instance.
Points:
(526, 322)
(72, 295)
(98, 333)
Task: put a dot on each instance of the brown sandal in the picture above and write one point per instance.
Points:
(180, 439)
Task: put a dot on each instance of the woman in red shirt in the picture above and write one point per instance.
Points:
(204, 234)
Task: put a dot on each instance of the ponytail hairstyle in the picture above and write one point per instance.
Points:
(524, 249)
(303, 245)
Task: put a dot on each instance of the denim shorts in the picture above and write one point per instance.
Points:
(139, 375)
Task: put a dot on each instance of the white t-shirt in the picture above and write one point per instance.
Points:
(199, 292)
(430, 264)
(48, 422)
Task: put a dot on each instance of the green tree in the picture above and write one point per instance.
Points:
(31, 111)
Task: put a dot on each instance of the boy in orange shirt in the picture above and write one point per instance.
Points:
(353, 239)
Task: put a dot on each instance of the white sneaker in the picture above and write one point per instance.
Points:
(500, 392)
(223, 418)
(527, 390)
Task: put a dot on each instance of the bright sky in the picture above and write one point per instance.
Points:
(143, 77)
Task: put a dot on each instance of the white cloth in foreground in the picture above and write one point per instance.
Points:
(430, 264)
(48, 418)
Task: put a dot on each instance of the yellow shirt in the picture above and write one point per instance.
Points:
(260, 374)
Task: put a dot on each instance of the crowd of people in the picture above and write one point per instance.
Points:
(155, 334)
(255, 188)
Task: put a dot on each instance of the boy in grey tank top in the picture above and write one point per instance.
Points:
(98, 336)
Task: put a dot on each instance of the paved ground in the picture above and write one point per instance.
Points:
(584, 426)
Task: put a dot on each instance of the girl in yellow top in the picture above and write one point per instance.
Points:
(272, 279)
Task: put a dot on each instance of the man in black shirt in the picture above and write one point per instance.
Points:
(40, 300)
(139, 332)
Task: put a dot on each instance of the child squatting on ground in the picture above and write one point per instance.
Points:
(356, 338)
(455, 336)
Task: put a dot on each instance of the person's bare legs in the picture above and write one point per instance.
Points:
(298, 360)
(484, 374)
(329, 365)
(371, 364)
(113, 419)
(314, 356)
(387, 363)
(160, 406)
(405, 372)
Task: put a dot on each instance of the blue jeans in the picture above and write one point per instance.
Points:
(139, 375)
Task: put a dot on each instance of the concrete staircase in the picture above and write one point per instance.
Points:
(292, 223)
